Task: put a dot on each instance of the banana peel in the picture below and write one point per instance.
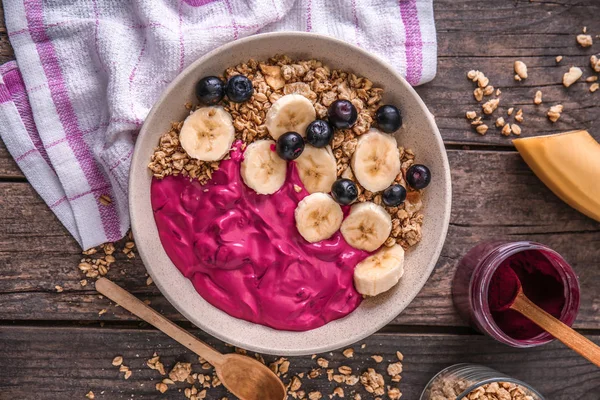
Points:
(569, 164)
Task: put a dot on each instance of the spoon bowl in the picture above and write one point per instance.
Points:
(249, 379)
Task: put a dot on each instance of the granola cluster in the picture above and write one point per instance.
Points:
(449, 388)
(279, 76)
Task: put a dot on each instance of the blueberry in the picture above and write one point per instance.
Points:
(344, 191)
(342, 114)
(290, 145)
(394, 195)
(388, 118)
(319, 133)
(418, 176)
(210, 90)
(239, 89)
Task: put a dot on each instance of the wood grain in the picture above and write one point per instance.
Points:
(490, 35)
(495, 195)
(60, 363)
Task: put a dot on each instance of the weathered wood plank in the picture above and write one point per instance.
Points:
(8, 166)
(490, 35)
(495, 195)
(59, 363)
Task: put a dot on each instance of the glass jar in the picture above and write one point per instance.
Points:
(473, 276)
(457, 381)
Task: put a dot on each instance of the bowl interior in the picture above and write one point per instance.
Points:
(419, 132)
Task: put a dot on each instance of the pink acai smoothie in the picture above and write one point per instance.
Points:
(244, 255)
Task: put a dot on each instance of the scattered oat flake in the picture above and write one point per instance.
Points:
(58, 288)
(338, 391)
(506, 130)
(519, 115)
(595, 63)
(90, 395)
(488, 90)
(516, 129)
(594, 87)
(490, 106)
(83, 282)
(394, 369)
(499, 122)
(377, 358)
(323, 363)
(585, 40)
(554, 112)
(105, 200)
(591, 78)
(127, 374)
(149, 281)
(295, 384)
(394, 393)
(478, 94)
(315, 395)
(345, 370)
(162, 387)
(572, 76)
(400, 356)
(117, 361)
(348, 353)
(498, 92)
(538, 97)
(520, 70)
(471, 114)
(510, 111)
(482, 129)
(103, 311)
(297, 188)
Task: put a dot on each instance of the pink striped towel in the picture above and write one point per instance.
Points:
(88, 72)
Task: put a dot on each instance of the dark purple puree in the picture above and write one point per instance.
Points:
(541, 283)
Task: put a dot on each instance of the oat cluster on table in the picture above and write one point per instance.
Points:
(484, 88)
(279, 76)
(347, 379)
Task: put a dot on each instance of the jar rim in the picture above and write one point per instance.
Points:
(481, 286)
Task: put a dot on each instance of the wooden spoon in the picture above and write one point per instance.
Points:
(245, 377)
(519, 302)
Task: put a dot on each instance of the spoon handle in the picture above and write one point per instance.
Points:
(136, 307)
(556, 328)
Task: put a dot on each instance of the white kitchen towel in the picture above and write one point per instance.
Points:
(88, 71)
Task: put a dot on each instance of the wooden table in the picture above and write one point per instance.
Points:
(56, 346)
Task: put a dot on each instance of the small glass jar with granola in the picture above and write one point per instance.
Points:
(472, 381)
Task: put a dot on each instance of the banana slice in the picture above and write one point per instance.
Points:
(367, 226)
(207, 133)
(317, 169)
(380, 272)
(262, 169)
(376, 160)
(291, 113)
(318, 217)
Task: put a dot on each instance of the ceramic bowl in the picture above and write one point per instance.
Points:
(419, 132)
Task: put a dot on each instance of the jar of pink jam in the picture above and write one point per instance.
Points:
(546, 278)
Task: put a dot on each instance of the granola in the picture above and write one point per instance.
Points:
(322, 85)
